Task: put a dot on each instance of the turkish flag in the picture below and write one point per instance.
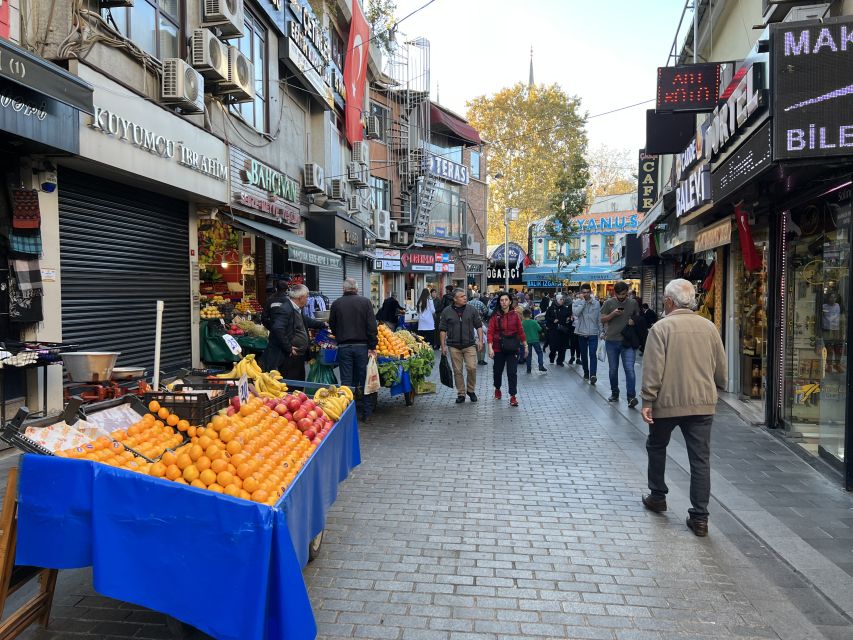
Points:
(751, 259)
(355, 72)
(4, 19)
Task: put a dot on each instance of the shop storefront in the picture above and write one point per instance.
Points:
(407, 273)
(346, 238)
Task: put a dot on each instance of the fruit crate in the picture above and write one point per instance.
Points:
(13, 431)
(197, 408)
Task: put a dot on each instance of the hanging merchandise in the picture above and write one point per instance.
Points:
(25, 245)
(751, 258)
(708, 282)
(25, 306)
(25, 209)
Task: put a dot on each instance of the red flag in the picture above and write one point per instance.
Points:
(355, 72)
(751, 259)
(4, 19)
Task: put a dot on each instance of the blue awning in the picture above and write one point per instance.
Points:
(584, 274)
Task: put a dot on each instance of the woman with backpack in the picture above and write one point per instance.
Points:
(506, 337)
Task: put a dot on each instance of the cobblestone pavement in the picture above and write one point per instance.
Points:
(481, 522)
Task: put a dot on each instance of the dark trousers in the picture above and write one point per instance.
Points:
(352, 363)
(557, 343)
(589, 361)
(697, 437)
(293, 367)
(574, 347)
(510, 360)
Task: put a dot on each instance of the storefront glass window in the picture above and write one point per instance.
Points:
(445, 221)
(818, 282)
(253, 46)
(153, 25)
(384, 116)
(751, 312)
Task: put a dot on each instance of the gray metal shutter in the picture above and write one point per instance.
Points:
(121, 250)
(331, 282)
(647, 288)
(354, 268)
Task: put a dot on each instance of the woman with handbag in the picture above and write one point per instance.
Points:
(506, 337)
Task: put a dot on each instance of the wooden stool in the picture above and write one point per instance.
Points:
(12, 578)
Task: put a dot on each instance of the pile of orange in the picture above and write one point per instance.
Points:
(108, 452)
(254, 454)
(390, 345)
(150, 436)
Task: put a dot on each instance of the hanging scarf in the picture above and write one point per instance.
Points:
(751, 259)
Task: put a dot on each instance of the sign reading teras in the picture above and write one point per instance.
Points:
(273, 182)
(693, 87)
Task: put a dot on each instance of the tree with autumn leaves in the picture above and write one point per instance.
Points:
(537, 142)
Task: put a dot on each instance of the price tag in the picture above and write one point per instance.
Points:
(243, 389)
(235, 348)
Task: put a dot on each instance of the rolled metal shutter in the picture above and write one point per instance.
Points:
(121, 250)
(331, 282)
(354, 268)
(647, 288)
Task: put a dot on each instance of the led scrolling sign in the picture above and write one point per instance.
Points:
(694, 87)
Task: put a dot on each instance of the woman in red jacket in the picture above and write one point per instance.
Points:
(506, 335)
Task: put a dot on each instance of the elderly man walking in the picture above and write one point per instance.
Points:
(457, 327)
(683, 366)
(288, 341)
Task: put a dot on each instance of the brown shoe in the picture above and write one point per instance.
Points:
(658, 506)
(699, 527)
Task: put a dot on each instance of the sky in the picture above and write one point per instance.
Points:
(604, 51)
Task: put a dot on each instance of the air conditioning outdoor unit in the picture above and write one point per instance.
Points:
(401, 237)
(468, 240)
(352, 204)
(394, 226)
(361, 152)
(358, 174)
(383, 225)
(314, 178)
(240, 84)
(182, 85)
(337, 189)
(225, 15)
(373, 130)
(209, 55)
(808, 12)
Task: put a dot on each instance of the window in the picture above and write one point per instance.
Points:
(552, 251)
(338, 49)
(440, 146)
(475, 164)
(445, 220)
(384, 115)
(575, 245)
(380, 193)
(606, 248)
(253, 46)
(335, 167)
(153, 25)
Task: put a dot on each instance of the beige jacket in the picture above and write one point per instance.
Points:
(684, 364)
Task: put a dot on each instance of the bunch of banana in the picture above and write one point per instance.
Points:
(269, 385)
(333, 400)
(246, 367)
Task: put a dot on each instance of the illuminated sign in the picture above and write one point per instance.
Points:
(647, 181)
(813, 88)
(746, 98)
(268, 179)
(743, 164)
(694, 87)
(694, 175)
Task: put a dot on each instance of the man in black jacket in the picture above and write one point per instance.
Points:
(288, 341)
(560, 329)
(461, 331)
(354, 326)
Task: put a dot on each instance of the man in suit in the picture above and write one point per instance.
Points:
(288, 341)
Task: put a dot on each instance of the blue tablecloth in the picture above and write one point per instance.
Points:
(229, 567)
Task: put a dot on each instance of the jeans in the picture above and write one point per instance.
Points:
(697, 436)
(468, 357)
(588, 346)
(629, 355)
(510, 360)
(537, 347)
(352, 362)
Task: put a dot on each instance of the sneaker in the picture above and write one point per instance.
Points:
(571, 360)
(543, 369)
(593, 379)
(699, 527)
(498, 395)
(586, 377)
(460, 399)
(513, 402)
(614, 397)
(632, 402)
(473, 396)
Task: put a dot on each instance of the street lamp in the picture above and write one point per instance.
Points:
(510, 215)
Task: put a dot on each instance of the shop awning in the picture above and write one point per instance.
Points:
(454, 125)
(585, 274)
(298, 249)
(25, 69)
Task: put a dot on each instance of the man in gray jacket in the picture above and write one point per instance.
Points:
(683, 366)
(587, 312)
(457, 326)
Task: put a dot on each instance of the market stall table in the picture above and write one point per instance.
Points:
(228, 567)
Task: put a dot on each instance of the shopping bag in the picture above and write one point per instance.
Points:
(445, 372)
(321, 374)
(372, 384)
(601, 352)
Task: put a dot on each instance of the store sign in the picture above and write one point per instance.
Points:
(307, 71)
(287, 216)
(749, 161)
(543, 284)
(387, 265)
(744, 99)
(447, 170)
(693, 87)
(412, 261)
(647, 181)
(308, 49)
(297, 253)
(693, 174)
(387, 254)
(262, 189)
(32, 116)
(812, 78)
(475, 268)
(716, 235)
(649, 248)
(607, 224)
(497, 275)
(445, 268)
(128, 135)
(268, 179)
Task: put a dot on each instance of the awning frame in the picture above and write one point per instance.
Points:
(299, 249)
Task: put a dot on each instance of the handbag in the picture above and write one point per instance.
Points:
(510, 343)
(445, 372)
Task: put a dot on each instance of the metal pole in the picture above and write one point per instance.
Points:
(506, 250)
(695, 31)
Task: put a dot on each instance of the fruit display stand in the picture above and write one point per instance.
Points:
(163, 545)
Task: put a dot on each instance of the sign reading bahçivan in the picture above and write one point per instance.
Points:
(813, 88)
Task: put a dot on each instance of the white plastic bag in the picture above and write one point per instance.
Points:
(372, 384)
(601, 352)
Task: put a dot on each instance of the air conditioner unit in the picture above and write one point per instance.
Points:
(225, 15)
(358, 174)
(240, 84)
(401, 237)
(393, 226)
(809, 12)
(337, 189)
(314, 178)
(468, 240)
(209, 55)
(352, 204)
(352, 171)
(361, 152)
(383, 225)
(182, 85)
(373, 130)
